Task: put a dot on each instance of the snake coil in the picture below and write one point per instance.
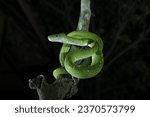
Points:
(81, 55)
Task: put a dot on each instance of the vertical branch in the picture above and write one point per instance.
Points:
(85, 15)
(64, 87)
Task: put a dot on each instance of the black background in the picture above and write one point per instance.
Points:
(25, 51)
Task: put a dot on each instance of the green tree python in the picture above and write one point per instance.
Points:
(81, 54)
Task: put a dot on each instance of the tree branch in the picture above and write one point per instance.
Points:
(62, 87)
(85, 15)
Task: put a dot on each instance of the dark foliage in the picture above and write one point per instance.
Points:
(25, 51)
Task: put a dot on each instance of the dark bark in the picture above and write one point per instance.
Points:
(62, 88)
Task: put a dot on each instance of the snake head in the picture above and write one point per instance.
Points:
(56, 37)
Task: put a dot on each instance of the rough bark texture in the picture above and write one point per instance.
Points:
(62, 88)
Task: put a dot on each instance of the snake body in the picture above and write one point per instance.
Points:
(81, 55)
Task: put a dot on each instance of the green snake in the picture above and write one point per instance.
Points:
(81, 55)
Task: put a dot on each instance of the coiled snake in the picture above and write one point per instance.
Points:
(81, 55)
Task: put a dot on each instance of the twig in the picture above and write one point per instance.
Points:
(122, 25)
(142, 37)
